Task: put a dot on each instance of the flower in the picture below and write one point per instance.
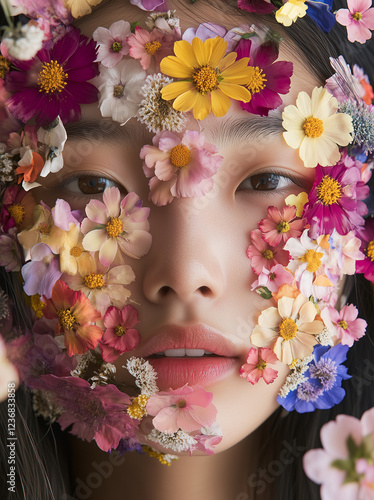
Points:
(258, 6)
(119, 89)
(112, 45)
(368, 94)
(114, 225)
(187, 408)
(322, 385)
(338, 467)
(59, 79)
(298, 201)
(10, 253)
(367, 247)
(156, 113)
(262, 255)
(42, 272)
(290, 12)
(184, 166)
(334, 202)
(358, 18)
(9, 378)
(17, 209)
(75, 316)
(363, 123)
(315, 128)
(272, 279)
(119, 336)
(98, 413)
(54, 137)
(343, 254)
(22, 42)
(29, 167)
(289, 329)
(280, 227)
(167, 22)
(144, 373)
(268, 78)
(79, 8)
(256, 366)
(208, 78)
(149, 46)
(150, 5)
(348, 328)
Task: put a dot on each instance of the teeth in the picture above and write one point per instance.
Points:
(175, 353)
(180, 353)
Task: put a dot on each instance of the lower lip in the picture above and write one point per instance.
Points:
(176, 372)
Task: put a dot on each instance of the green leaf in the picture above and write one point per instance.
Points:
(264, 292)
(133, 26)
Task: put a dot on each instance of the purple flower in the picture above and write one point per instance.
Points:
(211, 30)
(334, 201)
(151, 5)
(54, 83)
(268, 78)
(367, 247)
(322, 386)
(42, 272)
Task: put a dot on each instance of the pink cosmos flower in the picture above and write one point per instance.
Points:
(112, 45)
(273, 278)
(281, 226)
(99, 413)
(114, 226)
(205, 443)
(188, 408)
(262, 255)
(182, 167)
(358, 18)
(119, 336)
(348, 327)
(149, 46)
(257, 367)
(342, 441)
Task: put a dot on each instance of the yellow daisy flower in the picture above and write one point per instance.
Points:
(209, 79)
(291, 11)
(315, 128)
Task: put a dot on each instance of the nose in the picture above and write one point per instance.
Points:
(186, 258)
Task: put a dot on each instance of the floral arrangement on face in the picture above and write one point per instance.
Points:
(75, 264)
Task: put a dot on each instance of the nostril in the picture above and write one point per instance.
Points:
(205, 291)
(164, 290)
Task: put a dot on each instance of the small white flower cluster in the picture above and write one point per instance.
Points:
(296, 377)
(7, 165)
(164, 21)
(85, 360)
(325, 337)
(23, 42)
(144, 373)
(44, 405)
(178, 441)
(104, 376)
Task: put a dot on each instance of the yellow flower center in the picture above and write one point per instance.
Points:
(329, 190)
(313, 127)
(152, 47)
(118, 91)
(357, 16)
(17, 211)
(137, 408)
(313, 259)
(205, 79)
(4, 66)
(44, 228)
(114, 227)
(283, 227)
(52, 78)
(180, 156)
(261, 365)
(343, 324)
(257, 80)
(116, 46)
(94, 281)
(119, 331)
(37, 305)
(370, 250)
(268, 254)
(288, 329)
(75, 252)
(66, 318)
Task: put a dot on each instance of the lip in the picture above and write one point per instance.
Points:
(175, 372)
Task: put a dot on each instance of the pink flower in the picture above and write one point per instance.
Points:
(112, 45)
(273, 278)
(358, 18)
(119, 336)
(151, 5)
(145, 45)
(281, 226)
(343, 451)
(262, 255)
(10, 253)
(348, 327)
(188, 408)
(256, 366)
(113, 225)
(182, 167)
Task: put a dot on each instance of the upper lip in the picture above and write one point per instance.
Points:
(199, 336)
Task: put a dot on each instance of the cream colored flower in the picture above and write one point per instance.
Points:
(79, 8)
(288, 329)
(315, 128)
(291, 11)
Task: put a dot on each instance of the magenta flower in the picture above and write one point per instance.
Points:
(99, 413)
(280, 227)
(188, 408)
(113, 225)
(257, 367)
(347, 443)
(119, 336)
(335, 200)
(181, 167)
(17, 209)
(149, 46)
(358, 18)
(112, 45)
(263, 256)
(367, 247)
(258, 6)
(268, 78)
(54, 83)
(348, 327)
(273, 279)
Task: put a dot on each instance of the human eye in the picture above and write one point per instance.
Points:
(88, 184)
(269, 181)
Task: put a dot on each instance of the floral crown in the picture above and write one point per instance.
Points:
(74, 264)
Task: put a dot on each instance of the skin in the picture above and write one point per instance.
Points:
(198, 253)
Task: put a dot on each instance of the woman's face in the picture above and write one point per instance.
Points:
(193, 288)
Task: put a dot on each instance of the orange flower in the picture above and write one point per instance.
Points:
(30, 166)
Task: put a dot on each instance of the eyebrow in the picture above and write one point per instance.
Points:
(100, 131)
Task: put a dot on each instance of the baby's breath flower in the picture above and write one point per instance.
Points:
(144, 373)
(296, 377)
(325, 337)
(178, 441)
(7, 168)
(105, 375)
(363, 123)
(23, 42)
